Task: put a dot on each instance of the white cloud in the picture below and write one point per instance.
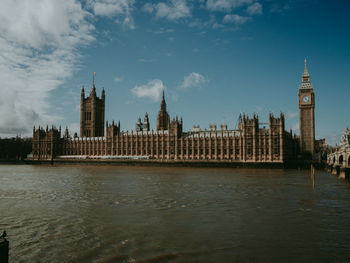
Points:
(148, 8)
(279, 7)
(254, 9)
(226, 5)
(118, 79)
(38, 52)
(163, 31)
(152, 90)
(143, 60)
(171, 10)
(193, 80)
(114, 8)
(236, 19)
(206, 24)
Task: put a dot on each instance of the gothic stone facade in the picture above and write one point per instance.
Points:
(250, 142)
(341, 155)
(247, 144)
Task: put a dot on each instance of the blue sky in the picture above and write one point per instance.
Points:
(214, 58)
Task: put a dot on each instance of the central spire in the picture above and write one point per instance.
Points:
(163, 103)
(163, 119)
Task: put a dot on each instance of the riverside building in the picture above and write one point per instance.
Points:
(252, 141)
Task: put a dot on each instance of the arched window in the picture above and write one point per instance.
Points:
(341, 160)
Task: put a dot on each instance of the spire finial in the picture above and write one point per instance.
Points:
(306, 76)
(93, 79)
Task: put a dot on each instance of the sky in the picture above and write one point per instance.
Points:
(214, 59)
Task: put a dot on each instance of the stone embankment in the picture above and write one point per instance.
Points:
(339, 171)
(300, 164)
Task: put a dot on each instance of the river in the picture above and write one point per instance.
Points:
(164, 214)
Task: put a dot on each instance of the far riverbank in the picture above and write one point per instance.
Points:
(171, 163)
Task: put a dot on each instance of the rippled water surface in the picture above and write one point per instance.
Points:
(144, 214)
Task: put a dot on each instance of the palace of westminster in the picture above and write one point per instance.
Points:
(250, 142)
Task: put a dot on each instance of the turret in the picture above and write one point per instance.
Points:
(175, 127)
(82, 93)
(146, 124)
(146, 118)
(139, 124)
(112, 130)
(66, 133)
(282, 120)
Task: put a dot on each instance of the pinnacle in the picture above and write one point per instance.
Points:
(305, 74)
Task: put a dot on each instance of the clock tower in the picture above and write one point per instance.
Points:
(306, 98)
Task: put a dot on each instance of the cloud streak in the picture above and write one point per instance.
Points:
(171, 10)
(38, 52)
(225, 5)
(114, 8)
(236, 19)
(193, 80)
(152, 90)
(254, 9)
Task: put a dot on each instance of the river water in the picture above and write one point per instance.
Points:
(157, 214)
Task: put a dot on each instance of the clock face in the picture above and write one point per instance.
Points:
(306, 99)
